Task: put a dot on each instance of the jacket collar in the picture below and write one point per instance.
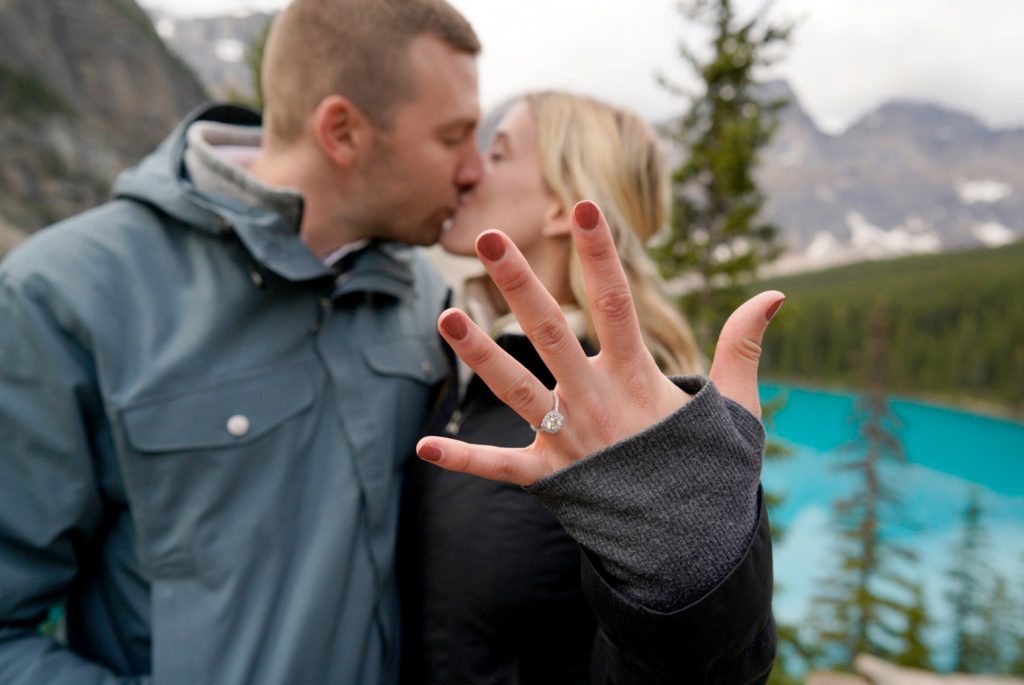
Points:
(162, 182)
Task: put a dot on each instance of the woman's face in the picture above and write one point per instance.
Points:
(511, 195)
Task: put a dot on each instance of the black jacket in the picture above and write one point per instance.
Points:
(497, 592)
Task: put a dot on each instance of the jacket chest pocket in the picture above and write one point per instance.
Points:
(387, 409)
(213, 465)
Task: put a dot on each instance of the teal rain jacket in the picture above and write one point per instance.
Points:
(202, 436)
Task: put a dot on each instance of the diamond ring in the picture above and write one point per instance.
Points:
(552, 421)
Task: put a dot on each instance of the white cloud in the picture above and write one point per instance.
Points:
(994, 234)
(847, 56)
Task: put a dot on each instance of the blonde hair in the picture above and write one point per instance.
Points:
(593, 151)
(355, 48)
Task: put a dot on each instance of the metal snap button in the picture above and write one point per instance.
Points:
(238, 425)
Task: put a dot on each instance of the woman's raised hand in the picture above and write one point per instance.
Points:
(602, 399)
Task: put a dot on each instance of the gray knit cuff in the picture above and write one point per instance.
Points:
(667, 513)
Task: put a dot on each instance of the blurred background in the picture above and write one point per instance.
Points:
(865, 157)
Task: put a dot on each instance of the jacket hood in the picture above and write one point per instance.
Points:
(160, 181)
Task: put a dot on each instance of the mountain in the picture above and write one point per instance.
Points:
(907, 178)
(216, 47)
(86, 88)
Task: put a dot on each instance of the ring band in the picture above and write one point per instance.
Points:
(552, 421)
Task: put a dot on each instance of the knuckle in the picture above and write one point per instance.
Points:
(520, 394)
(614, 305)
(516, 281)
(549, 334)
(747, 348)
(502, 468)
(477, 356)
(598, 250)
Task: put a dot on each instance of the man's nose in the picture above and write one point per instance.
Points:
(471, 170)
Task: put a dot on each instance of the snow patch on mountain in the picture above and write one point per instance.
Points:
(983, 191)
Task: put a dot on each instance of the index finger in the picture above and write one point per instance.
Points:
(611, 302)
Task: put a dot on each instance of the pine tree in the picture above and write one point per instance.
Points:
(254, 63)
(1017, 662)
(969, 577)
(254, 60)
(996, 638)
(861, 607)
(915, 653)
(715, 233)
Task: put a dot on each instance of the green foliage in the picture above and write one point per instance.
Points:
(53, 626)
(254, 61)
(24, 95)
(957, 321)
(915, 653)
(863, 607)
(715, 232)
(968, 578)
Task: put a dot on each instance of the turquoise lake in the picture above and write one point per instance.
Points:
(949, 452)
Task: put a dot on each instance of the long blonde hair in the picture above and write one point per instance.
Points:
(593, 151)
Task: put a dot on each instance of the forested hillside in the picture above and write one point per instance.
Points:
(956, 323)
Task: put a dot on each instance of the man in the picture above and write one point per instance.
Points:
(209, 386)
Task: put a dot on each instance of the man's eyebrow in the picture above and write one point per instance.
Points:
(460, 124)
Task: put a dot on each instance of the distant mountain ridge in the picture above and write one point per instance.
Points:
(908, 178)
(86, 89)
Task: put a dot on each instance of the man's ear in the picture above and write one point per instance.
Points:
(341, 130)
(556, 220)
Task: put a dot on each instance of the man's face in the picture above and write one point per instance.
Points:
(417, 168)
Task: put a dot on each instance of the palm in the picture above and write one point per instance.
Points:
(605, 398)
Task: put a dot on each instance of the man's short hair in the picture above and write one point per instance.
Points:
(355, 48)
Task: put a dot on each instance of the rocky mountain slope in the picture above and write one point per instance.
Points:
(93, 88)
(86, 88)
(216, 47)
(907, 178)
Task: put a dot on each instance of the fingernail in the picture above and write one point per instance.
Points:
(455, 326)
(774, 309)
(587, 215)
(429, 453)
(491, 246)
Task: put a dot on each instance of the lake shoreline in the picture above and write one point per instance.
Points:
(972, 405)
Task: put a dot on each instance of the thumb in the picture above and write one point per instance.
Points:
(734, 368)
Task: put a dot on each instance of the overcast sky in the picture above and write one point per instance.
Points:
(847, 56)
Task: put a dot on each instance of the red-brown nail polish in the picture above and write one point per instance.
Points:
(774, 309)
(455, 326)
(430, 453)
(587, 215)
(491, 246)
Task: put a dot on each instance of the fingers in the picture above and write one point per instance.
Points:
(507, 378)
(537, 311)
(611, 303)
(520, 466)
(734, 368)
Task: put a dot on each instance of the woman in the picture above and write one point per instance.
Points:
(496, 569)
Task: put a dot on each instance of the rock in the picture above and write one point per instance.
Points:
(875, 671)
(88, 88)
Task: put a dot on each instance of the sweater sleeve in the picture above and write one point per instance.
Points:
(677, 562)
(666, 514)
